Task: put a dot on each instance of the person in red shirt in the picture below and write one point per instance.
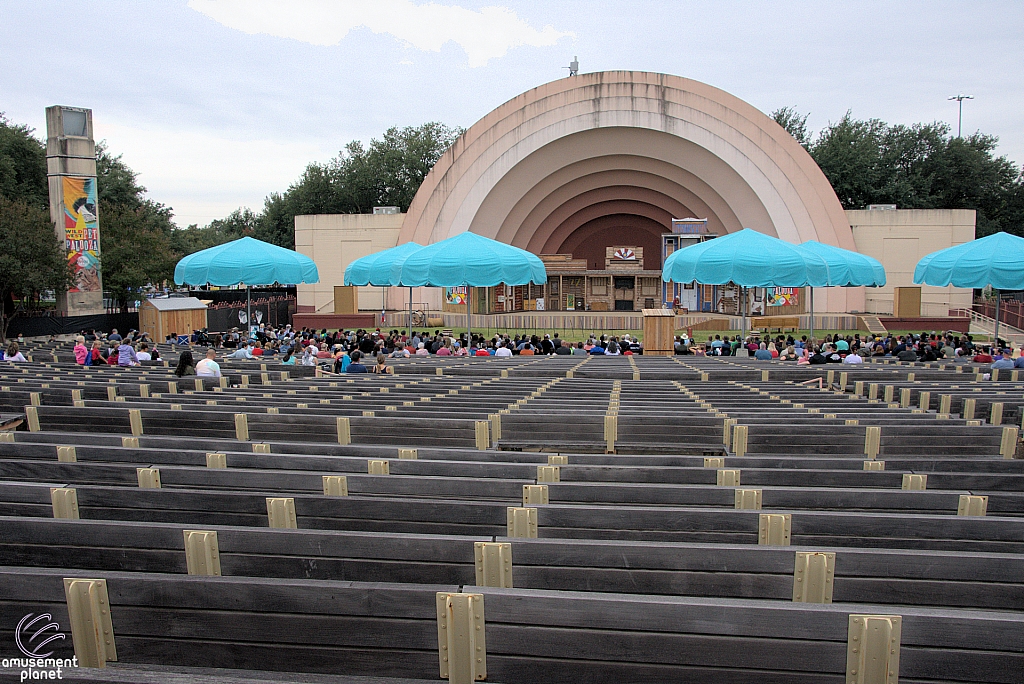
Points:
(983, 356)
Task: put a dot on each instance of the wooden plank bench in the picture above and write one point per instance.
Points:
(879, 576)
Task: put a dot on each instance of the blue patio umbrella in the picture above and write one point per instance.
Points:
(375, 269)
(996, 261)
(846, 268)
(469, 260)
(748, 259)
(246, 262)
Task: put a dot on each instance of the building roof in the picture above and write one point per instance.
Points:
(176, 304)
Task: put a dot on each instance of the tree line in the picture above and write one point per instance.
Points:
(139, 242)
(922, 166)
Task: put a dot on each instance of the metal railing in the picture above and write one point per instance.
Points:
(987, 324)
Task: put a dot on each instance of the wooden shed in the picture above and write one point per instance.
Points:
(179, 315)
(659, 332)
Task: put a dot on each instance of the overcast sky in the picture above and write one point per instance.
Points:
(216, 103)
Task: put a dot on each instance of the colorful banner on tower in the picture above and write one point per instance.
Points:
(783, 296)
(82, 233)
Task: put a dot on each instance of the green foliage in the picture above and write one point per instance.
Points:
(915, 167)
(135, 232)
(32, 259)
(386, 173)
(237, 224)
(22, 165)
(135, 250)
(794, 123)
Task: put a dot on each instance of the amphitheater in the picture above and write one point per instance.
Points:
(525, 521)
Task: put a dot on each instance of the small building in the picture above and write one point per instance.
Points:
(174, 315)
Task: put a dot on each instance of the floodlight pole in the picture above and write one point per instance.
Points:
(960, 117)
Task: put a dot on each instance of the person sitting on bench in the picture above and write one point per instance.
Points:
(853, 357)
(356, 366)
(1005, 361)
(817, 357)
(208, 367)
(243, 352)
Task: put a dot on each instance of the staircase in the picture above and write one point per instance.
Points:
(873, 325)
(985, 325)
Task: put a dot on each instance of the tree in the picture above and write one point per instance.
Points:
(135, 252)
(32, 260)
(849, 152)
(22, 165)
(794, 123)
(135, 232)
(239, 223)
(922, 166)
(388, 172)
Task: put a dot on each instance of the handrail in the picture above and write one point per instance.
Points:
(987, 320)
(1006, 331)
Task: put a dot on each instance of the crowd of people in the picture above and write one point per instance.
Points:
(854, 348)
(368, 351)
(346, 351)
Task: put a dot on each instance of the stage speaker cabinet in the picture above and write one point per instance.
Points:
(906, 302)
(346, 299)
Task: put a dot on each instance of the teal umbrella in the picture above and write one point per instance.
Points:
(469, 260)
(845, 269)
(996, 261)
(748, 259)
(375, 269)
(246, 261)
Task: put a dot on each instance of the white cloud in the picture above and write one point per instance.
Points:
(484, 34)
(205, 176)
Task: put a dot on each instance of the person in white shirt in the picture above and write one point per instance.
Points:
(208, 367)
(853, 357)
(243, 352)
(502, 351)
(143, 353)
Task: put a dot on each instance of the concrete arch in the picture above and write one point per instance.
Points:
(518, 173)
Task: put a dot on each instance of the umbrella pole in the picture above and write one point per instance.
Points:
(410, 313)
(995, 334)
(811, 290)
(469, 322)
(743, 313)
(248, 312)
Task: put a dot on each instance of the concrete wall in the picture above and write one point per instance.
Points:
(334, 241)
(899, 239)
